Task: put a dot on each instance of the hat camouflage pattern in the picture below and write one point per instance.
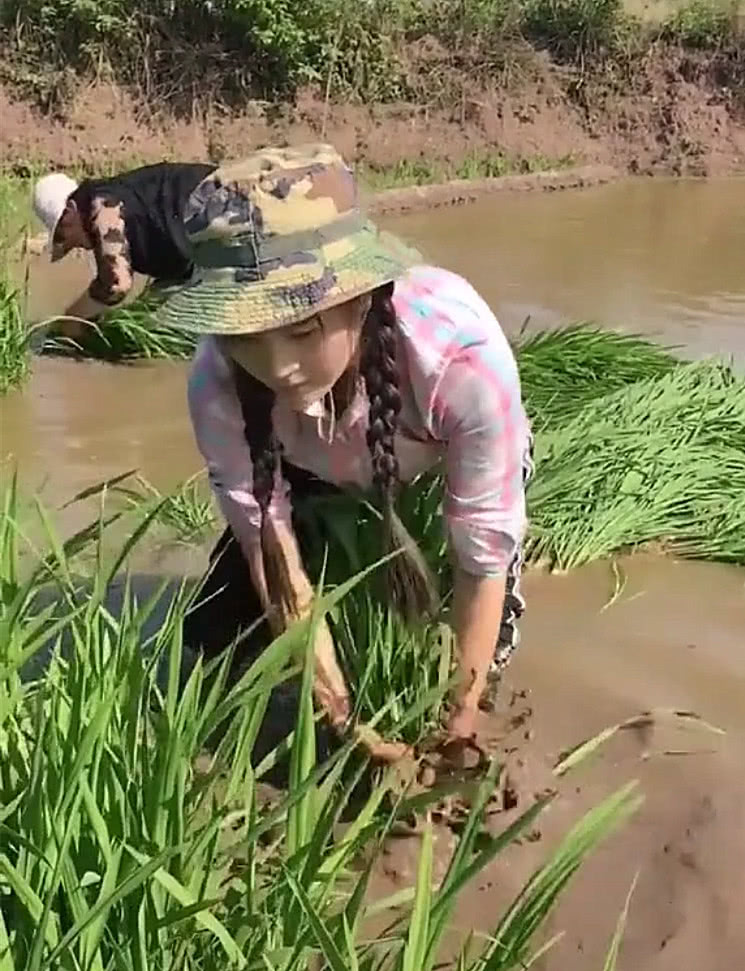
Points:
(275, 238)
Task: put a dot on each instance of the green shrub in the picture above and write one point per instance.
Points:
(127, 333)
(701, 25)
(571, 29)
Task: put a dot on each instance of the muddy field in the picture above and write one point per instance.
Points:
(600, 645)
(584, 666)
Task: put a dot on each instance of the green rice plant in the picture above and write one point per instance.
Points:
(401, 673)
(15, 210)
(14, 340)
(611, 959)
(118, 850)
(188, 511)
(565, 369)
(660, 461)
(127, 333)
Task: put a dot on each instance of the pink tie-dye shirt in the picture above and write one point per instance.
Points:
(461, 404)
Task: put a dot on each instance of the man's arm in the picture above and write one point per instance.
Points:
(111, 251)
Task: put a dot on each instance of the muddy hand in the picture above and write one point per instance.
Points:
(457, 745)
(379, 748)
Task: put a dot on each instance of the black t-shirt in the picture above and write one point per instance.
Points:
(149, 201)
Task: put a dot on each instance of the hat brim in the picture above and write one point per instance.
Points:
(221, 305)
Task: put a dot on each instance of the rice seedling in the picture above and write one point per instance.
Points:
(127, 333)
(118, 850)
(564, 370)
(660, 461)
(14, 340)
(402, 673)
(187, 512)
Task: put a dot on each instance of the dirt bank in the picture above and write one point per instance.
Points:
(459, 191)
(675, 112)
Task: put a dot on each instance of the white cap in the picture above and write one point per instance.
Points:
(50, 198)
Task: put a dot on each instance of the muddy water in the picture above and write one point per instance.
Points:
(675, 639)
(661, 258)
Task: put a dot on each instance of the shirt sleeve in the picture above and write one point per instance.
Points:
(219, 430)
(111, 250)
(477, 412)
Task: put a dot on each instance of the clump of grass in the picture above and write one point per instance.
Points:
(399, 666)
(477, 165)
(188, 512)
(15, 210)
(14, 340)
(703, 24)
(564, 370)
(126, 334)
(660, 461)
(118, 851)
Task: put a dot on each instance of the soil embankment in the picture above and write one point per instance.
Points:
(678, 113)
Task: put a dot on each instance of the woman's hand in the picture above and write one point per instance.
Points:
(461, 723)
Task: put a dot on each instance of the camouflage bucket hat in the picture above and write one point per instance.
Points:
(276, 238)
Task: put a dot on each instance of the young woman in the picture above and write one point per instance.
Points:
(331, 359)
(131, 222)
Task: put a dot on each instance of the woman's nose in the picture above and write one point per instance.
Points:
(281, 359)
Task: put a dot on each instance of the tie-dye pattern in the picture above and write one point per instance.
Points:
(462, 404)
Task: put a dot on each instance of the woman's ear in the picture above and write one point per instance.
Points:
(365, 302)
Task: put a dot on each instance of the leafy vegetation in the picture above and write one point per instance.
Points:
(659, 461)
(564, 370)
(14, 349)
(127, 333)
(268, 48)
(187, 512)
(474, 166)
(135, 829)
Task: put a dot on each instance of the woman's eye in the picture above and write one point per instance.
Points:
(304, 330)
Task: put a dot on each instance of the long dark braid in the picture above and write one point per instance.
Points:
(257, 402)
(411, 584)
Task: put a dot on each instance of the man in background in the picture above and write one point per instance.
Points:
(130, 222)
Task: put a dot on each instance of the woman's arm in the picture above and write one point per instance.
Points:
(478, 413)
(219, 429)
(477, 616)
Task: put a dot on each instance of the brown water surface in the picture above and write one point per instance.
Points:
(661, 257)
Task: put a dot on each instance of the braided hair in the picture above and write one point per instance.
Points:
(411, 585)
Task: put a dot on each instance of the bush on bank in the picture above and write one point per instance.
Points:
(185, 50)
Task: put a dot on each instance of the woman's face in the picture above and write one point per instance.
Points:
(302, 362)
